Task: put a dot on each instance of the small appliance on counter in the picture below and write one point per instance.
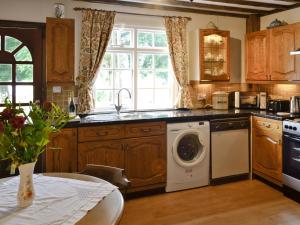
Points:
(247, 100)
(263, 100)
(220, 100)
(278, 105)
(295, 105)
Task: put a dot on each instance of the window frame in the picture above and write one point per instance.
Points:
(39, 84)
(135, 50)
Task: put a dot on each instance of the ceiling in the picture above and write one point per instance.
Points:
(235, 8)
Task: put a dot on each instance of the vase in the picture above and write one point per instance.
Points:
(26, 189)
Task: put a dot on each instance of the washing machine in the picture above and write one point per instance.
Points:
(188, 155)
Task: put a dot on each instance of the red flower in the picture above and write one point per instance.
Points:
(7, 113)
(1, 127)
(17, 122)
(47, 106)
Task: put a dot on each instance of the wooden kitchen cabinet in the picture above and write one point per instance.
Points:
(268, 54)
(139, 148)
(257, 55)
(60, 34)
(267, 149)
(108, 153)
(145, 160)
(63, 158)
(214, 55)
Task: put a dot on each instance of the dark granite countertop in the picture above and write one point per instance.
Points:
(171, 116)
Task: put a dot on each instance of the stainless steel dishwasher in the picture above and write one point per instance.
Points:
(229, 149)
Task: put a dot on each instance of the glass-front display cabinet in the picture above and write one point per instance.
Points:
(214, 55)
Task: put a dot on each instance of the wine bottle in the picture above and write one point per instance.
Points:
(72, 108)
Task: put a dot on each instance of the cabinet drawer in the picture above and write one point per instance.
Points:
(267, 125)
(145, 129)
(100, 133)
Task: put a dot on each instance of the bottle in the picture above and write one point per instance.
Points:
(72, 108)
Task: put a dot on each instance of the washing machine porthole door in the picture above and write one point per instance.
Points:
(188, 150)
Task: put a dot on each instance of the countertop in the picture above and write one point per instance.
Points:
(171, 116)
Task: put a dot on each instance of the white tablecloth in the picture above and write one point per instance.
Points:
(57, 201)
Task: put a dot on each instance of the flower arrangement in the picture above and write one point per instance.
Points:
(24, 136)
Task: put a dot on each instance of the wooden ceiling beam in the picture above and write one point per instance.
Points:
(167, 8)
(281, 10)
(206, 6)
(251, 3)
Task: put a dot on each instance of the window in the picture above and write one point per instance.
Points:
(136, 59)
(20, 63)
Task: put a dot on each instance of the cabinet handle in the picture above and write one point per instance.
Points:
(268, 125)
(272, 141)
(101, 133)
(146, 129)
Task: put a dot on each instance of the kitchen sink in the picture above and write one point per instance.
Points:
(121, 116)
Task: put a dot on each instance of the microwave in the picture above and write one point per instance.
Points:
(247, 100)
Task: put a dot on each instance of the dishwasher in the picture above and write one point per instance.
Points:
(229, 149)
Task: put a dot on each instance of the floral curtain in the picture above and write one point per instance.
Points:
(177, 40)
(95, 33)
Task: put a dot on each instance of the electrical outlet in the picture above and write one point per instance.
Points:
(56, 89)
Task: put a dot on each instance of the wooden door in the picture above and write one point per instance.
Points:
(283, 40)
(257, 63)
(60, 50)
(267, 155)
(63, 156)
(145, 160)
(109, 153)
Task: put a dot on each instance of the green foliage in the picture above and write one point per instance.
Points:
(145, 39)
(5, 72)
(160, 40)
(23, 137)
(24, 72)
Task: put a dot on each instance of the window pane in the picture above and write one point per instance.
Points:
(24, 72)
(24, 93)
(104, 79)
(145, 39)
(162, 98)
(5, 91)
(5, 72)
(161, 61)
(145, 99)
(145, 79)
(160, 40)
(11, 43)
(161, 79)
(125, 38)
(23, 55)
(104, 98)
(107, 61)
(123, 79)
(145, 61)
(122, 60)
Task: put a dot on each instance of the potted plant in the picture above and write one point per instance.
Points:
(24, 136)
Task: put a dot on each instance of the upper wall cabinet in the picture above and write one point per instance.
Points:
(268, 54)
(60, 50)
(257, 55)
(214, 55)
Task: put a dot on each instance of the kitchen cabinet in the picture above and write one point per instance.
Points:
(267, 149)
(139, 148)
(214, 55)
(268, 54)
(60, 50)
(63, 155)
(257, 62)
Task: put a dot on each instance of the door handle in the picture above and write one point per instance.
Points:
(272, 141)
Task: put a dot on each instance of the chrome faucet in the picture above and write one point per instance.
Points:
(118, 107)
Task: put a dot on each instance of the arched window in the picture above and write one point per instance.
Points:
(21, 63)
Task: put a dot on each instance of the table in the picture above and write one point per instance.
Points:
(106, 212)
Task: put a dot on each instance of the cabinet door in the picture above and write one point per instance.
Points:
(145, 160)
(257, 55)
(63, 156)
(282, 64)
(267, 155)
(60, 50)
(109, 153)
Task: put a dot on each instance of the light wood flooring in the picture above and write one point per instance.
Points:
(239, 203)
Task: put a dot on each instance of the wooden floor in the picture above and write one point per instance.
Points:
(240, 203)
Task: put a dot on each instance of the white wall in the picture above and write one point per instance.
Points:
(290, 16)
(38, 10)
